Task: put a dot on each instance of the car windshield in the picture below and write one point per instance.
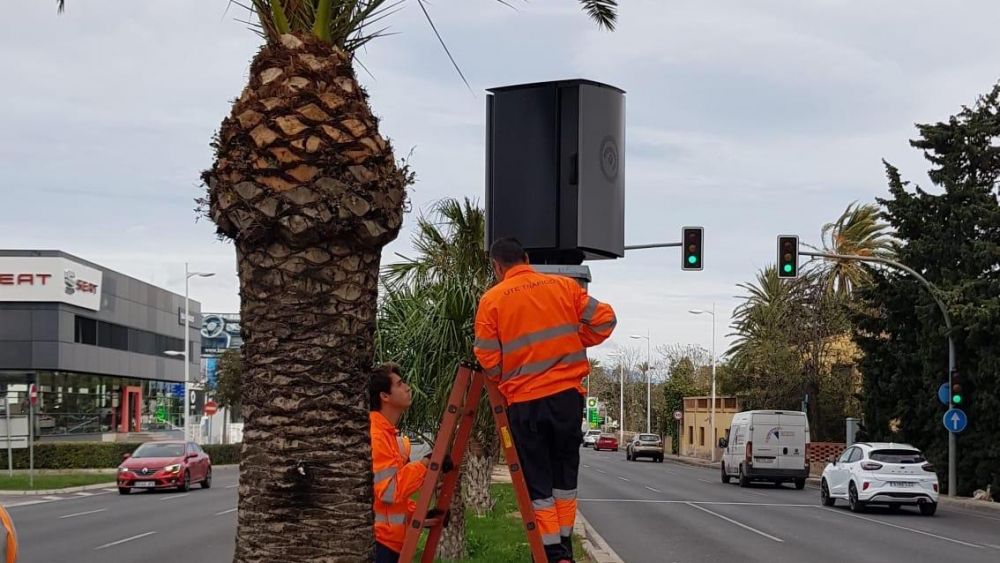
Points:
(608, 437)
(159, 450)
(649, 438)
(897, 456)
(593, 433)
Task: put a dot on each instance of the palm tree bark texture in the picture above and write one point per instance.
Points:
(310, 193)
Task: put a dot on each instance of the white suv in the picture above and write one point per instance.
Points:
(590, 438)
(881, 473)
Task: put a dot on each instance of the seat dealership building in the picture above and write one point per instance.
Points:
(93, 340)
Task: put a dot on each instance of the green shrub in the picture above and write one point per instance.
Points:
(96, 455)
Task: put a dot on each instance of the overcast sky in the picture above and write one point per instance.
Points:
(750, 118)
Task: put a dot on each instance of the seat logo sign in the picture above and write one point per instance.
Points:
(71, 284)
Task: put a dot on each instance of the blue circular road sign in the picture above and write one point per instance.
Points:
(955, 420)
(943, 394)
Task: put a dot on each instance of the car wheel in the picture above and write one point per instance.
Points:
(928, 508)
(725, 476)
(659, 459)
(824, 494)
(744, 480)
(852, 499)
(124, 490)
(800, 484)
(207, 483)
(185, 486)
(628, 456)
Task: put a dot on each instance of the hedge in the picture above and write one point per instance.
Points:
(97, 455)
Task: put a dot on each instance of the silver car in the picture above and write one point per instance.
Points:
(645, 445)
(590, 438)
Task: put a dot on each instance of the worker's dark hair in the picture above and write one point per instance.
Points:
(381, 382)
(508, 251)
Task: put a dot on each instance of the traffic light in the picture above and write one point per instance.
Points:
(956, 390)
(691, 238)
(788, 256)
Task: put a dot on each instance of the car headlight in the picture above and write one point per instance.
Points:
(172, 468)
(122, 469)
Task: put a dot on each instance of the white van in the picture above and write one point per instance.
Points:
(766, 446)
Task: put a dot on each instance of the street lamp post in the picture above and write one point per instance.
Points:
(648, 385)
(712, 312)
(186, 354)
(621, 398)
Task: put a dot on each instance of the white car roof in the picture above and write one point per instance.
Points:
(885, 446)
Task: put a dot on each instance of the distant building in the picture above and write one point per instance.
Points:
(696, 426)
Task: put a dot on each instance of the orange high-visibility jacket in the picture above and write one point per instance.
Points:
(9, 542)
(396, 478)
(532, 331)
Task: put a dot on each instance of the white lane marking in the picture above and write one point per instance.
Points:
(175, 497)
(991, 545)
(83, 494)
(114, 543)
(83, 513)
(740, 524)
(232, 486)
(52, 498)
(109, 490)
(654, 490)
(705, 502)
(587, 466)
(26, 503)
(604, 472)
(706, 481)
(622, 478)
(225, 512)
(915, 531)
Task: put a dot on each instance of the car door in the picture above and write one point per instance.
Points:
(193, 464)
(840, 473)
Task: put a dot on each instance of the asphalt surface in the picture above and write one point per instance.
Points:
(100, 525)
(670, 512)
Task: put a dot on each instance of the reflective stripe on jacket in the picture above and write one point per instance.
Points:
(395, 479)
(532, 331)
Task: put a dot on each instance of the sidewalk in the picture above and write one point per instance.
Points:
(959, 502)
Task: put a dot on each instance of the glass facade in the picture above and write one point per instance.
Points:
(78, 403)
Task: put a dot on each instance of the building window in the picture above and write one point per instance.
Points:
(86, 331)
(691, 435)
(701, 435)
(118, 337)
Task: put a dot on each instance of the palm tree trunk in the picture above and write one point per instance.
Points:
(452, 544)
(305, 472)
(477, 477)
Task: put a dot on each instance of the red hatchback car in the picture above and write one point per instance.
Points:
(606, 442)
(165, 465)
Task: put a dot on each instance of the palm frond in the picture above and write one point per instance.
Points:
(60, 6)
(604, 12)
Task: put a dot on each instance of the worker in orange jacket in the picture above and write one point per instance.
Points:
(532, 331)
(396, 478)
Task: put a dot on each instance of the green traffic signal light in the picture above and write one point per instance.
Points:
(956, 399)
(692, 259)
(788, 268)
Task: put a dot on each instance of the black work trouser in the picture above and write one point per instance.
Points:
(547, 434)
(385, 555)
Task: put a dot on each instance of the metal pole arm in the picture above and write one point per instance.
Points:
(654, 245)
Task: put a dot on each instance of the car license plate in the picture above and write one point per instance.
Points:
(144, 484)
(900, 484)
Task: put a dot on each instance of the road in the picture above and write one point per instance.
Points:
(670, 512)
(100, 525)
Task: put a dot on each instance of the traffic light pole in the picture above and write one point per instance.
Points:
(932, 289)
